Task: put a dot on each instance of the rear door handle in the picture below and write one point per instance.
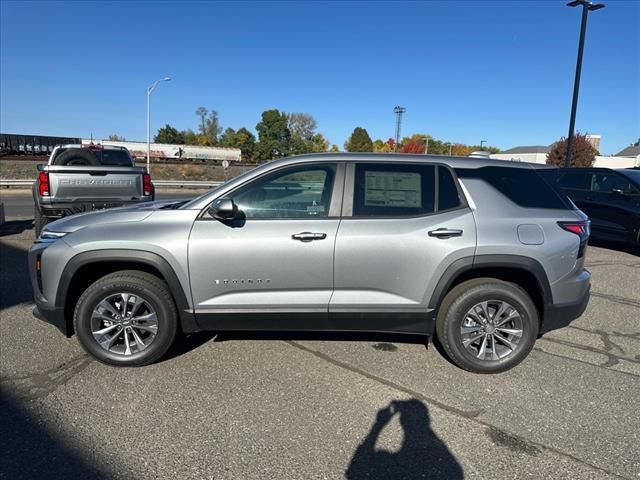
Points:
(308, 236)
(445, 233)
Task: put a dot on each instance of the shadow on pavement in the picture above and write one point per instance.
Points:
(618, 246)
(422, 454)
(15, 286)
(15, 226)
(28, 450)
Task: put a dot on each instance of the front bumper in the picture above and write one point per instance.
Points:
(44, 310)
(560, 315)
(55, 317)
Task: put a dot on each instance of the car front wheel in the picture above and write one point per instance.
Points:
(487, 325)
(126, 318)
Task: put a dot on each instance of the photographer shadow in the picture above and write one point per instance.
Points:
(422, 454)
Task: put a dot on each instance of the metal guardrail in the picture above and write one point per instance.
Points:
(158, 183)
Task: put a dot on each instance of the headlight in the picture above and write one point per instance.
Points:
(48, 236)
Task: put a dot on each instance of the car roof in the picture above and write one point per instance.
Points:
(452, 161)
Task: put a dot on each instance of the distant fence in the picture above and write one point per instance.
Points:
(158, 183)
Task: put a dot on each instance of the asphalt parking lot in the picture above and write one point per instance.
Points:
(289, 408)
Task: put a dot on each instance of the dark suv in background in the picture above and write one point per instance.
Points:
(610, 197)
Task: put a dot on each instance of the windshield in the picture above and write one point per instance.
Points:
(634, 175)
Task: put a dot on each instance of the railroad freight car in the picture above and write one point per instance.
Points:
(167, 152)
(18, 144)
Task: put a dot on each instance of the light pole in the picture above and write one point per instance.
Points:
(586, 8)
(450, 147)
(426, 145)
(149, 92)
(481, 143)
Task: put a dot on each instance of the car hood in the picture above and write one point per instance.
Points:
(134, 213)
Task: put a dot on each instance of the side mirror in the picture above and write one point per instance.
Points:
(223, 209)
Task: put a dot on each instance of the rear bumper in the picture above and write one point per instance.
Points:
(560, 315)
(60, 210)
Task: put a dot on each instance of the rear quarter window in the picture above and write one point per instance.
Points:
(523, 186)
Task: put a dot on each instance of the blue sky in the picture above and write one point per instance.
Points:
(466, 71)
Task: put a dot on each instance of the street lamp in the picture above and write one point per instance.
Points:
(586, 8)
(149, 92)
(450, 147)
(426, 145)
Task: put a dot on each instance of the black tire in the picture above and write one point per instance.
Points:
(153, 291)
(39, 221)
(461, 299)
(77, 156)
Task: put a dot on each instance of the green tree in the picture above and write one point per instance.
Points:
(334, 148)
(242, 139)
(359, 141)
(304, 138)
(274, 136)
(583, 154)
(190, 137)
(212, 129)
(168, 134)
(116, 138)
(202, 113)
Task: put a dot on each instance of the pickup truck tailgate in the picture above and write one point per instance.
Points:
(71, 183)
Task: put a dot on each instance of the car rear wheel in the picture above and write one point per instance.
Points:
(487, 325)
(126, 318)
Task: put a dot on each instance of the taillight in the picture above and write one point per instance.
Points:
(43, 184)
(147, 187)
(581, 229)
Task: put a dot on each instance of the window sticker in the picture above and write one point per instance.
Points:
(392, 189)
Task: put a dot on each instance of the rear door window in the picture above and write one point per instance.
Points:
(448, 195)
(388, 190)
(607, 182)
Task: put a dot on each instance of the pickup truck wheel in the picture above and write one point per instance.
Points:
(77, 156)
(487, 325)
(39, 221)
(127, 319)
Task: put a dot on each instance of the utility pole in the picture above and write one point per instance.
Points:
(399, 111)
(586, 8)
(149, 92)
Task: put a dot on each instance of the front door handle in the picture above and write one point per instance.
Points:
(309, 236)
(445, 233)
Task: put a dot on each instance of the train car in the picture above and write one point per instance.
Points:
(166, 151)
(17, 144)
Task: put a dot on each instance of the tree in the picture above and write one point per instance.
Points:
(412, 146)
(202, 113)
(334, 148)
(274, 136)
(242, 139)
(116, 138)
(189, 137)
(384, 147)
(168, 134)
(302, 125)
(304, 138)
(583, 155)
(359, 141)
(211, 129)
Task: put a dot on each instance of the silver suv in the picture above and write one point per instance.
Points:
(483, 255)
